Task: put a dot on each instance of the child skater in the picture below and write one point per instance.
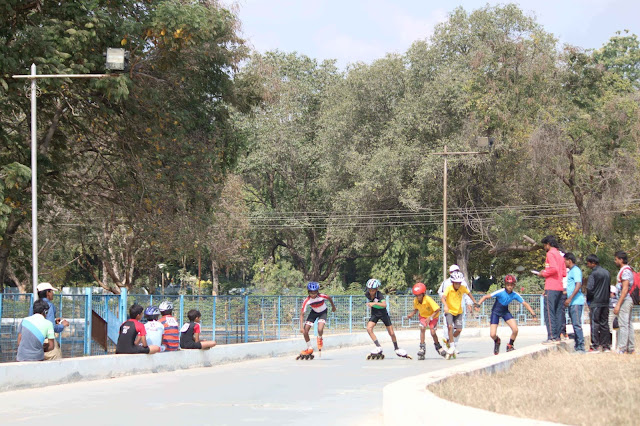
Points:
(315, 299)
(452, 302)
(379, 312)
(429, 311)
(190, 333)
(500, 309)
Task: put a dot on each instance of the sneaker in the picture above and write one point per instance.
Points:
(549, 342)
(594, 351)
(579, 352)
(606, 350)
(510, 348)
(496, 346)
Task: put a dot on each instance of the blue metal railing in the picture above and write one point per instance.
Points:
(226, 319)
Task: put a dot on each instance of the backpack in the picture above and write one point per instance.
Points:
(634, 290)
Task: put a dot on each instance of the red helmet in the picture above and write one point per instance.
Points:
(509, 279)
(419, 288)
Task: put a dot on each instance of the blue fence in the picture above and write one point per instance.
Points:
(226, 319)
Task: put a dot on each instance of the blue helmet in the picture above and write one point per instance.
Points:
(373, 283)
(313, 286)
(151, 311)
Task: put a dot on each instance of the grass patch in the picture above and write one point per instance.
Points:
(590, 389)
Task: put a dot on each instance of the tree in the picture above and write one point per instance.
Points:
(128, 155)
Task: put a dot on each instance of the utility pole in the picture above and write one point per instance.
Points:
(445, 154)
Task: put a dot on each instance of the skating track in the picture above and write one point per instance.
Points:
(341, 388)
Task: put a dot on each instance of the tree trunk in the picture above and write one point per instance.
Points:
(214, 278)
(463, 253)
(5, 245)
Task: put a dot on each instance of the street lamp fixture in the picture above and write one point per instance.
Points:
(116, 59)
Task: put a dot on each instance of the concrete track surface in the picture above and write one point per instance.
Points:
(340, 388)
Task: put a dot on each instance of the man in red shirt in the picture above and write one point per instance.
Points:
(553, 272)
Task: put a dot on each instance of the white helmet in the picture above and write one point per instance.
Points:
(373, 283)
(165, 306)
(457, 277)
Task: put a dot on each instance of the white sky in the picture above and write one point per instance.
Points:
(360, 30)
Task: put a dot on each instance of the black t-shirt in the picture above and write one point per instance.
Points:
(186, 335)
(378, 297)
(129, 330)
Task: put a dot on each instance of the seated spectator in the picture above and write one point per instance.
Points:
(153, 327)
(35, 334)
(132, 338)
(190, 333)
(45, 292)
(171, 334)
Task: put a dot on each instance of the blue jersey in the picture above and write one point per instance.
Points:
(574, 276)
(503, 299)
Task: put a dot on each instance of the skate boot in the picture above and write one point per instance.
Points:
(376, 353)
(510, 348)
(439, 349)
(319, 340)
(446, 342)
(402, 353)
(422, 351)
(306, 354)
(496, 346)
(451, 352)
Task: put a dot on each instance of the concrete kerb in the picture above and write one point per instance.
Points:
(403, 399)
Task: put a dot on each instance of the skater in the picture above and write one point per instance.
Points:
(379, 312)
(190, 333)
(500, 309)
(132, 338)
(429, 312)
(316, 300)
(153, 327)
(452, 302)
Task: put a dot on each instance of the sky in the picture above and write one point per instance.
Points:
(362, 31)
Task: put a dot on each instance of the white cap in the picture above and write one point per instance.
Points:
(45, 286)
(613, 289)
(453, 268)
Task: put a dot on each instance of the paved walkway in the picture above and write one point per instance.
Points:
(341, 388)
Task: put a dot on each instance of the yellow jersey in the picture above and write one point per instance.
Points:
(454, 299)
(427, 307)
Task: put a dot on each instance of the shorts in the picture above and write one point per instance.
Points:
(192, 345)
(134, 350)
(380, 314)
(495, 316)
(424, 322)
(313, 316)
(455, 320)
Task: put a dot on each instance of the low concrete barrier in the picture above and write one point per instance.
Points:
(404, 399)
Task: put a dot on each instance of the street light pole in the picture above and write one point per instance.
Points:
(34, 183)
(445, 154)
(34, 163)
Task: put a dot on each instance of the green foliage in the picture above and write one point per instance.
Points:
(278, 278)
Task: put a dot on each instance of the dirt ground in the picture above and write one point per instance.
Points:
(563, 387)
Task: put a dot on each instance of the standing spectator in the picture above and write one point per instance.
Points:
(553, 272)
(33, 331)
(564, 305)
(598, 292)
(613, 319)
(45, 292)
(626, 339)
(575, 300)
